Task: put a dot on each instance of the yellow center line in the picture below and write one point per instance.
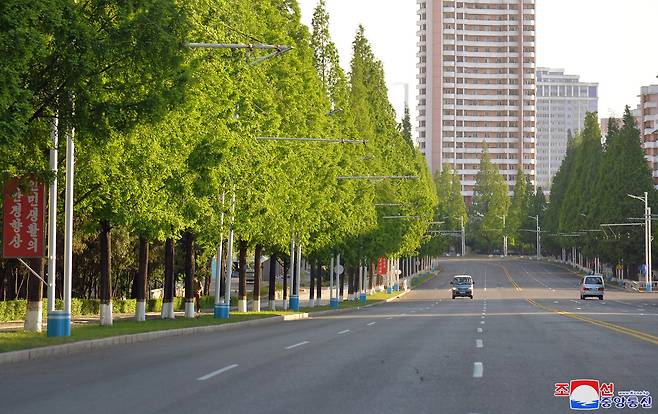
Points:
(608, 325)
(510, 278)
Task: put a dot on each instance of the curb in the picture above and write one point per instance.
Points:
(89, 345)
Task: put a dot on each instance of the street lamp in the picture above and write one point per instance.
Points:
(504, 217)
(538, 235)
(647, 237)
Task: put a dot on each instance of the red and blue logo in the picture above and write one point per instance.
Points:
(584, 394)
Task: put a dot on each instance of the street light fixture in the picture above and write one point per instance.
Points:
(504, 217)
(647, 238)
(538, 235)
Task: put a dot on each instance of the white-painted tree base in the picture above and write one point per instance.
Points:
(140, 311)
(34, 317)
(106, 314)
(311, 303)
(272, 305)
(255, 306)
(242, 305)
(167, 311)
(285, 304)
(189, 310)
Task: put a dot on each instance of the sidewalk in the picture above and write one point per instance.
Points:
(17, 326)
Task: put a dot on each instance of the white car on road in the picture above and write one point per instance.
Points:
(592, 285)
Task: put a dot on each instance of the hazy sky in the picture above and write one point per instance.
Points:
(612, 42)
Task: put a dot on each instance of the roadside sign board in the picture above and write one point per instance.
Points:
(382, 266)
(339, 269)
(24, 208)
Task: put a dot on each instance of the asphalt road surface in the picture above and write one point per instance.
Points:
(501, 352)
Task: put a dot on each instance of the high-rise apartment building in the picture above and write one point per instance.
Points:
(476, 86)
(562, 102)
(648, 126)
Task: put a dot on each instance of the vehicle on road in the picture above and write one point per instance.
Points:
(592, 285)
(462, 285)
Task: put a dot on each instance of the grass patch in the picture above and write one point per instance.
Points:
(14, 341)
(349, 304)
(422, 279)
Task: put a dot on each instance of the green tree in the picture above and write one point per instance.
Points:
(518, 208)
(490, 203)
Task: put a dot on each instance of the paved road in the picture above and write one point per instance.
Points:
(499, 353)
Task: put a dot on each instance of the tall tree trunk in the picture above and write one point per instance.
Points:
(371, 276)
(141, 279)
(106, 273)
(311, 290)
(271, 290)
(255, 303)
(189, 275)
(318, 283)
(350, 282)
(242, 274)
(286, 268)
(225, 263)
(34, 316)
(340, 280)
(169, 282)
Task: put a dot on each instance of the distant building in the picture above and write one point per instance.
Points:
(620, 121)
(648, 126)
(562, 102)
(476, 86)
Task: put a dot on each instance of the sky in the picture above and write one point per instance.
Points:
(612, 42)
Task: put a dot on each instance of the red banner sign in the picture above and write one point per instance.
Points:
(382, 266)
(23, 219)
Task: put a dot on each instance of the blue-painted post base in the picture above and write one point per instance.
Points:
(294, 302)
(59, 324)
(648, 289)
(362, 298)
(389, 290)
(333, 302)
(222, 311)
(396, 287)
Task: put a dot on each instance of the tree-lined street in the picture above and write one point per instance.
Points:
(420, 353)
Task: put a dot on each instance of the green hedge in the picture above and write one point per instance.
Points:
(14, 310)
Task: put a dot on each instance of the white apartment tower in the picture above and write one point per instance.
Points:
(476, 86)
(562, 103)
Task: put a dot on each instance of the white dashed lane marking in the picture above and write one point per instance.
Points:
(296, 345)
(478, 343)
(343, 332)
(215, 373)
(371, 323)
(479, 330)
(478, 370)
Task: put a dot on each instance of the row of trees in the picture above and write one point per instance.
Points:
(166, 138)
(591, 189)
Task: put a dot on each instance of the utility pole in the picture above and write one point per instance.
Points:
(504, 217)
(538, 230)
(463, 234)
(647, 238)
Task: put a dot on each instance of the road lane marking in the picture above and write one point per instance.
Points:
(479, 330)
(478, 369)
(215, 373)
(611, 326)
(296, 345)
(481, 322)
(482, 317)
(371, 323)
(574, 301)
(511, 280)
(390, 317)
(478, 343)
(343, 332)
